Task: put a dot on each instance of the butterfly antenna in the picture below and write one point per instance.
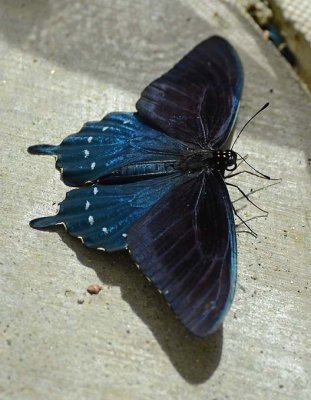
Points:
(245, 125)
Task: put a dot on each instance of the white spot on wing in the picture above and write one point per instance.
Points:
(86, 153)
(95, 191)
(89, 139)
(105, 230)
(87, 205)
(93, 165)
(105, 128)
(124, 234)
(91, 220)
(126, 122)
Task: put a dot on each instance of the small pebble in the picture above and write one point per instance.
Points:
(94, 289)
(80, 301)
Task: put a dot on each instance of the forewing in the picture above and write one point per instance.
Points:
(101, 215)
(186, 246)
(197, 100)
(103, 147)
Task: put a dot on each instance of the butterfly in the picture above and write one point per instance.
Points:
(152, 182)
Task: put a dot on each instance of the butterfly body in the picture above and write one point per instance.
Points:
(153, 182)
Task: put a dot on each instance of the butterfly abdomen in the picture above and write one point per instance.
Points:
(139, 171)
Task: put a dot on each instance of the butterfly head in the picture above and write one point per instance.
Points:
(225, 160)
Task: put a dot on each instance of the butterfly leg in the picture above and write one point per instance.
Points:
(245, 172)
(251, 231)
(247, 197)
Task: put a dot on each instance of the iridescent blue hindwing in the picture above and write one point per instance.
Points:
(101, 215)
(102, 147)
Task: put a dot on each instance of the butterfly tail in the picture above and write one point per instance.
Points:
(43, 149)
(44, 222)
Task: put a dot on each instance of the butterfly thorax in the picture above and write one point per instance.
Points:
(211, 159)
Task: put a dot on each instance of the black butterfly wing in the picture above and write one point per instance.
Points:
(197, 100)
(186, 245)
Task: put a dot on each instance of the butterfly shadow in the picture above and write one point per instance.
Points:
(194, 358)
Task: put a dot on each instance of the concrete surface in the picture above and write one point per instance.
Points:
(63, 63)
(293, 19)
